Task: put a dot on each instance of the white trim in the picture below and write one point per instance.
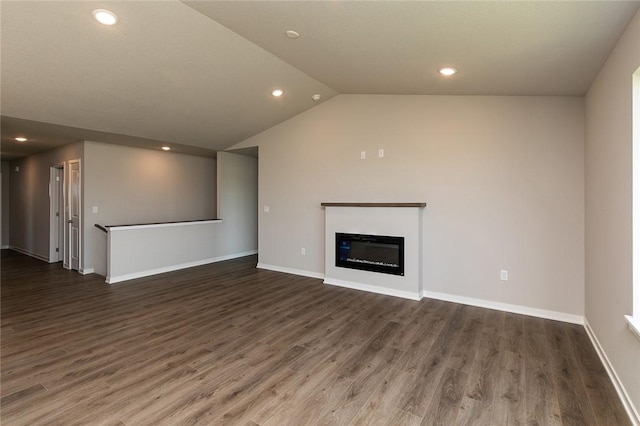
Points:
(516, 309)
(29, 253)
(373, 289)
(68, 182)
(86, 271)
(506, 307)
(634, 325)
(634, 416)
(161, 225)
(4, 247)
(56, 223)
(635, 204)
(66, 261)
(149, 272)
(292, 271)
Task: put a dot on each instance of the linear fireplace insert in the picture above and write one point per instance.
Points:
(375, 253)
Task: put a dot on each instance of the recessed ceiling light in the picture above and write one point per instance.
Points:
(292, 34)
(21, 139)
(316, 97)
(105, 17)
(166, 148)
(447, 71)
(277, 93)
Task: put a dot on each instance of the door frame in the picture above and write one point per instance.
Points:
(57, 234)
(67, 204)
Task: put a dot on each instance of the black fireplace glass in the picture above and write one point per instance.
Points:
(375, 253)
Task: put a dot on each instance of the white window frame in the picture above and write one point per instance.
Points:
(634, 319)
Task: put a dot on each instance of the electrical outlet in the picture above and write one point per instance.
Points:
(303, 251)
(504, 275)
(363, 155)
(265, 209)
(94, 209)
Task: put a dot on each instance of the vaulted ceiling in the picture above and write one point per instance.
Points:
(198, 75)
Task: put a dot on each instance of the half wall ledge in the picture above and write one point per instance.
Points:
(419, 205)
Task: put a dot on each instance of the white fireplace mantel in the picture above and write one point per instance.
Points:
(395, 219)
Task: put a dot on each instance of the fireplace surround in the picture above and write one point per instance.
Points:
(372, 223)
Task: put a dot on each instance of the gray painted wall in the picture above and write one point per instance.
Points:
(503, 179)
(29, 198)
(4, 211)
(132, 185)
(608, 172)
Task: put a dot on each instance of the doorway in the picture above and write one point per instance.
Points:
(73, 248)
(56, 214)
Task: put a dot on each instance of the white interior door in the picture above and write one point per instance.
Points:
(75, 214)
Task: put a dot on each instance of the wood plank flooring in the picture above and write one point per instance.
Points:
(229, 344)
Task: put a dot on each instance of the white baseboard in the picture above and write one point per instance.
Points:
(86, 271)
(634, 416)
(516, 309)
(149, 272)
(300, 272)
(373, 289)
(506, 307)
(28, 253)
(4, 247)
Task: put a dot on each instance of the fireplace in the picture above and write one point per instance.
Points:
(375, 247)
(375, 253)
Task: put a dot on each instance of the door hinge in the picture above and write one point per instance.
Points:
(57, 249)
(57, 214)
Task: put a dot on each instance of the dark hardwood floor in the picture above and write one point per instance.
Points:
(229, 344)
